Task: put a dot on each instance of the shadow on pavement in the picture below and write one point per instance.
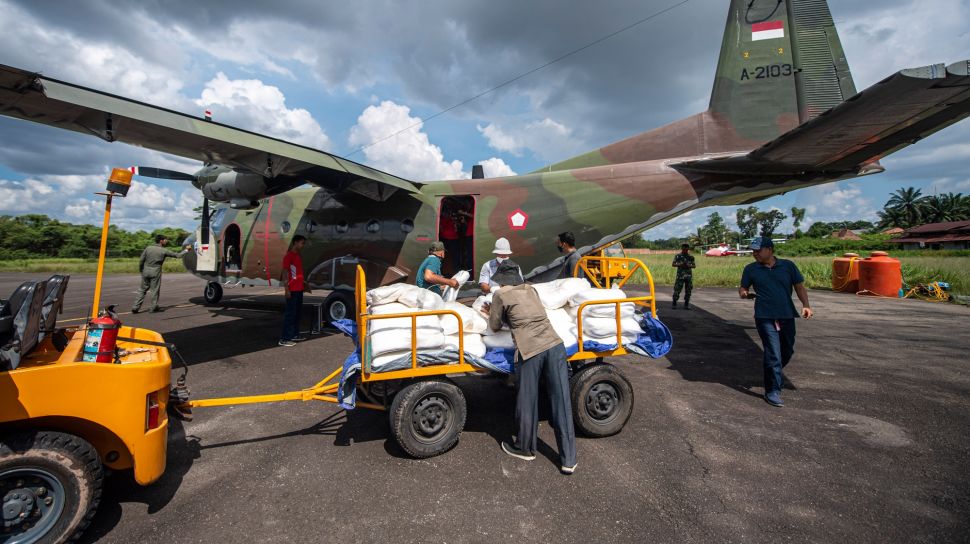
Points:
(120, 487)
(710, 349)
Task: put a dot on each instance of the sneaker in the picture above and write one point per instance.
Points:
(135, 310)
(287, 343)
(298, 338)
(515, 452)
(568, 470)
(774, 399)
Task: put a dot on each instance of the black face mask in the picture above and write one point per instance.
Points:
(560, 248)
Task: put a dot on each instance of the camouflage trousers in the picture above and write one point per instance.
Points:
(687, 284)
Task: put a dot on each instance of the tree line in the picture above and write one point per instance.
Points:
(907, 208)
(37, 236)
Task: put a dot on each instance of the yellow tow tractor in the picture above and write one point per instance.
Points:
(65, 418)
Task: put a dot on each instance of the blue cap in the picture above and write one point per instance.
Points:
(760, 242)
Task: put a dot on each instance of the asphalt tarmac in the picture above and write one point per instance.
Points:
(871, 446)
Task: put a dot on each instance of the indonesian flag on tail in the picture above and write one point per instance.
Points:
(133, 170)
(767, 30)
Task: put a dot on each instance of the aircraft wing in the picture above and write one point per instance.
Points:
(33, 97)
(894, 113)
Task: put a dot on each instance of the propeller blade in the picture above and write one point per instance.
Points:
(205, 222)
(160, 173)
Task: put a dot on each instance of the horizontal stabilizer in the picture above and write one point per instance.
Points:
(30, 96)
(890, 115)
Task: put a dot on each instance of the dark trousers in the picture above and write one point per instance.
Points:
(779, 346)
(685, 283)
(291, 316)
(551, 364)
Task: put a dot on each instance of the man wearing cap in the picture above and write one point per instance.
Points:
(774, 314)
(150, 266)
(429, 273)
(502, 253)
(540, 352)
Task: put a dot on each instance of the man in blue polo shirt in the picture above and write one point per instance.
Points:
(774, 313)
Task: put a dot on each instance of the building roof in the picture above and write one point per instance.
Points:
(846, 234)
(935, 233)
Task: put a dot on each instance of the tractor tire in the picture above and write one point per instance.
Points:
(339, 305)
(212, 293)
(51, 486)
(427, 417)
(602, 400)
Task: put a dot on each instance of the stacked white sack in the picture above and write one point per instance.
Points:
(411, 296)
(599, 321)
(473, 344)
(564, 325)
(556, 294)
(387, 336)
(472, 321)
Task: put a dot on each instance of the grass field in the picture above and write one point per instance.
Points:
(710, 272)
(83, 266)
(726, 271)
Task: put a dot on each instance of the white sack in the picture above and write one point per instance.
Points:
(588, 295)
(555, 294)
(627, 338)
(501, 339)
(450, 294)
(399, 339)
(411, 296)
(564, 325)
(600, 328)
(423, 321)
(481, 301)
(473, 344)
(471, 320)
(627, 309)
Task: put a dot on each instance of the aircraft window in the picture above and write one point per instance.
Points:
(285, 226)
(342, 227)
(407, 225)
(310, 226)
(373, 226)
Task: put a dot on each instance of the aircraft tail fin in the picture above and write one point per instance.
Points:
(781, 64)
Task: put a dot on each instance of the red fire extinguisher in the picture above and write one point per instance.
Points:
(101, 337)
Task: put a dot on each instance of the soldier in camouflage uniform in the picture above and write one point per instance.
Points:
(684, 263)
(150, 267)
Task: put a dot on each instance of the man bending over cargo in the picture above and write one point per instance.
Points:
(539, 352)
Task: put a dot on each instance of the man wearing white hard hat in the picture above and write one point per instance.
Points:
(502, 253)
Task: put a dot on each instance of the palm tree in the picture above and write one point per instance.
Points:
(910, 202)
(797, 216)
(892, 217)
(940, 209)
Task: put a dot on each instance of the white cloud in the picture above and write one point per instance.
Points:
(255, 106)
(546, 139)
(410, 153)
(843, 201)
(496, 168)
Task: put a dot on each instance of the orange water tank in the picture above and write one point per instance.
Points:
(880, 274)
(845, 273)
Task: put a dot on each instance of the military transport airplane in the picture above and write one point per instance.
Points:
(784, 114)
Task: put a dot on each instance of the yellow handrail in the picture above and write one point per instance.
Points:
(637, 263)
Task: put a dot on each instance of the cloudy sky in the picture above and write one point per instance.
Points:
(339, 76)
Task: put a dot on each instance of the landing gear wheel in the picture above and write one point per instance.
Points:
(427, 417)
(212, 293)
(339, 305)
(602, 400)
(50, 483)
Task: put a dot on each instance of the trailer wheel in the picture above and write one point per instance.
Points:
(339, 305)
(51, 485)
(602, 400)
(212, 293)
(427, 417)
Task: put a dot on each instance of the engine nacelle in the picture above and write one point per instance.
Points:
(242, 190)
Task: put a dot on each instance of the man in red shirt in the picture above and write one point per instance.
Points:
(293, 285)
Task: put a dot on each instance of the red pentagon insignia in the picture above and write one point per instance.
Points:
(518, 220)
